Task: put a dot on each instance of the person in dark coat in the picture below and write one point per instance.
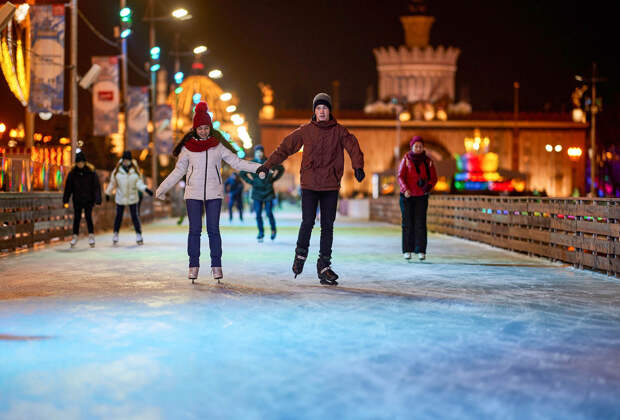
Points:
(322, 166)
(83, 184)
(416, 176)
(262, 192)
(234, 188)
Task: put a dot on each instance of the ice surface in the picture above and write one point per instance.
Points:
(474, 332)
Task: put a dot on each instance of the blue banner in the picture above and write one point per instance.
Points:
(106, 97)
(163, 129)
(138, 118)
(47, 65)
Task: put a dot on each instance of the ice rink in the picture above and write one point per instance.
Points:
(473, 332)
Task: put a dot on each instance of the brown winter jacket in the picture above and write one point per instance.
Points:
(322, 164)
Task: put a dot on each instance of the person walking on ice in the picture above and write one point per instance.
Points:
(417, 177)
(83, 184)
(199, 157)
(322, 166)
(262, 193)
(126, 179)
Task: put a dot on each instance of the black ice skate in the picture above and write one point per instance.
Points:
(260, 237)
(300, 259)
(327, 276)
(273, 234)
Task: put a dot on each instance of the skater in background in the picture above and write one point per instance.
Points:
(83, 184)
(199, 157)
(234, 188)
(322, 166)
(417, 177)
(262, 192)
(126, 180)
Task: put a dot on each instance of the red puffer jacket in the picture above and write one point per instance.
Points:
(408, 176)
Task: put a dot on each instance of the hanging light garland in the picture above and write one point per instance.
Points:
(15, 57)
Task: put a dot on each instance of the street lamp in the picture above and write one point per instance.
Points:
(181, 14)
(216, 74)
(200, 49)
(594, 108)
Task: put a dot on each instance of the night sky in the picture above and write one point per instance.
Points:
(300, 47)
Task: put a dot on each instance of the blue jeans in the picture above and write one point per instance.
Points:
(194, 214)
(258, 209)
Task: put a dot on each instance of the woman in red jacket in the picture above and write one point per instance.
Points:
(417, 177)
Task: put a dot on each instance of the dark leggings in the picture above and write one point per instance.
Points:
(133, 209)
(328, 203)
(77, 217)
(413, 210)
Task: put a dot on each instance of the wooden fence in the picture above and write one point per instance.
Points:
(39, 217)
(581, 231)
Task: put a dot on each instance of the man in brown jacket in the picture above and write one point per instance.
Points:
(322, 165)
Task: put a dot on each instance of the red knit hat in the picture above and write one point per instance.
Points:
(201, 115)
(414, 140)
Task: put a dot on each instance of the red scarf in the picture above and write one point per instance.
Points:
(194, 145)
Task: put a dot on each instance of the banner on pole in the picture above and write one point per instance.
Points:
(163, 129)
(106, 97)
(138, 118)
(47, 65)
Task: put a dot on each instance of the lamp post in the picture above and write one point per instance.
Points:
(594, 109)
(554, 176)
(178, 14)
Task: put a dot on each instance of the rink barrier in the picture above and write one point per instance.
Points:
(583, 232)
(29, 219)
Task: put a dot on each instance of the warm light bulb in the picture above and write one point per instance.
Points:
(226, 96)
(180, 13)
(558, 148)
(216, 74)
(549, 148)
(231, 108)
(200, 49)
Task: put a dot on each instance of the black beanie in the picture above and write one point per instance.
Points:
(322, 99)
(79, 157)
(126, 155)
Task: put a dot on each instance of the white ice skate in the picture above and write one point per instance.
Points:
(74, 240)
(217, 273)
(115, 238)
(193, 273)
(139, 240)
(421, 256)
(407, 255)
(91, 240)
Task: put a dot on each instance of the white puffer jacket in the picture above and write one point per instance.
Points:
(127, 185)
(202, 169)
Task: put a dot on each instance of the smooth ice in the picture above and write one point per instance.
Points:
(473, 332)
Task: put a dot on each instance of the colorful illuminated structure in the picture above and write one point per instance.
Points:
(35, 169)
(478, 168)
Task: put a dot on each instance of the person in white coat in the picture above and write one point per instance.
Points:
(199, 159)
(126, 179)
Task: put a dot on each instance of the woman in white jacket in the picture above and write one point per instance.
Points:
(126, 179)
(200, 155)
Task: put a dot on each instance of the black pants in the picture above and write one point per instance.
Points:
(133, 209)
(235, 201)
(77, 217)
(413, 210)
(310, 201)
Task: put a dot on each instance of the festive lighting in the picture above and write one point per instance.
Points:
(64, 140)
(178, 77)
(125, 13)
(196, 98)
(200, 49)
(21, 12)
(125, 33)
(579, 116)
(45, 115)
(574, 152)
(245, 137)
(155, 52)
(216, 74)
(237, 119)
(2, 128)
(231, 108)
(226, 96)
(442, 115)
(178, 90)
(558, 148)
(155, 67)
(549, 148)
(180, 14)
(404, 116)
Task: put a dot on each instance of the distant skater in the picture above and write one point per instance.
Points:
(83, 184)
(234, 189)
(417, 177)
(262, 193)
(126, 180)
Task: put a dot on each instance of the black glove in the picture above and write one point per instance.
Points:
(421, 183)
(149, 192)
(262, 170)
(359, 174)
(107, 197)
